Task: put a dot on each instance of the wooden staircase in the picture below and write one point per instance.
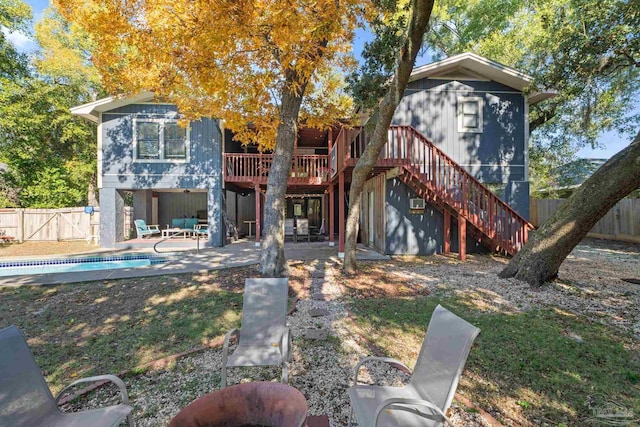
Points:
(438, 179)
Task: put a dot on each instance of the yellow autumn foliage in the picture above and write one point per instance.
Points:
(225, 58)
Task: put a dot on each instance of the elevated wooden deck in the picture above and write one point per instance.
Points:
(420, 165)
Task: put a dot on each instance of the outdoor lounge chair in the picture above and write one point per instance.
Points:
(142, 229)
(264, 338)
(25, 398)
(426, 398)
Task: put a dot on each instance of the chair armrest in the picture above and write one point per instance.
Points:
(111, 378)
(393, 362)
(398, 401)
(155, 227)
(286, 344)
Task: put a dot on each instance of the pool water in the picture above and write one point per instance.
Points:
(67, 265)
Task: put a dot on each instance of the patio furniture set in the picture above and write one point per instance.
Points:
(179, 227)
(263, 340)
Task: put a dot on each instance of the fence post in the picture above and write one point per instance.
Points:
(20, 230)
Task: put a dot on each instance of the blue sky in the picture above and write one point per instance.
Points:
(611, 142)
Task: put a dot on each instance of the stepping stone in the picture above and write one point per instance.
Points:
(316, 334)
(319, 296)
(317, 421)
(318, 312)
(315, 274)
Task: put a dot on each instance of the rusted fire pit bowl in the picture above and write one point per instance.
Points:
(250, 404)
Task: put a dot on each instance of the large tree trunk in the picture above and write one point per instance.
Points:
(273, 262)
(420, 13)
(540, 259)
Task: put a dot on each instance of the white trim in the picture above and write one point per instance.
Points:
(341, 255)
(91, 110)
(478, 64)
(526, 138)
(483, 67)
(99, 153)
(461, 101)
(162, 122)
(469, 91)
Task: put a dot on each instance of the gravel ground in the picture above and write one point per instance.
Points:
(590, 284)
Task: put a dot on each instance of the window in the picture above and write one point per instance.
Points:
(160, 141)
(470, 114)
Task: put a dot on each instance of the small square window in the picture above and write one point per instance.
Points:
(470, 114)
(148, 135)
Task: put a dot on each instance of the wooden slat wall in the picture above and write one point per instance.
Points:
(377, 186)
(622, 222)
(54, 224)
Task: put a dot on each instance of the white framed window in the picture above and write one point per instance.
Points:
(470, 114)
(160, 140)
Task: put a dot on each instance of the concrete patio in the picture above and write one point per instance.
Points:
(186, 259)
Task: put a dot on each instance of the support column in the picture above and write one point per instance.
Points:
(142, 205)
(215, 219)
(447, 233)
(341, 215)
(111, 217)
(332, 216)
(462, 238)
(258, 214)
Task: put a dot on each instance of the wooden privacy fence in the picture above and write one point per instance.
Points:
(54, 224)
(622, 222)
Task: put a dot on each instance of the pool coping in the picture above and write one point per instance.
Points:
(235, 255)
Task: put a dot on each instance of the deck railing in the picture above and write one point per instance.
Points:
(311, 169)
(443, 178)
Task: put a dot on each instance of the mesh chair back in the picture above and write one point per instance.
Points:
(264, 311)
(25, 399)
(302, 226)
(442, 357)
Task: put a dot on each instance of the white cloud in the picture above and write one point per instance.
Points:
(19, 40)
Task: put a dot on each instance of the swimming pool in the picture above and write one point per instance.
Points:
(67, 265)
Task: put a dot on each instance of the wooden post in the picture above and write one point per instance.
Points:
(341, 215)
(20, 224)
(462, 238)
(331, 217)
(258, 214)
(447, 232)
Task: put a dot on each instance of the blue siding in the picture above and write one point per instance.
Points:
(495, 155)
(416, 234)
(120, 171)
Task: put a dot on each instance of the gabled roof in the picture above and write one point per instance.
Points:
(469, 66)
(92, 110)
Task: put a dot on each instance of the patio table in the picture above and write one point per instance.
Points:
(176, 231)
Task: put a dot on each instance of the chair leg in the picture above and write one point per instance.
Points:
(223, 381)
(285, 374)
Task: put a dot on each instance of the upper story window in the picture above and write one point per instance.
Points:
(159, 140)
(470, 114)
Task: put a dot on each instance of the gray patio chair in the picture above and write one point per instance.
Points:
(426, 398)
(264, 338)
(25, 398)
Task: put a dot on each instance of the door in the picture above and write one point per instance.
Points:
(371, 219)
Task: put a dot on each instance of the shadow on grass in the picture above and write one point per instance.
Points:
(105, 327)
(530, 366)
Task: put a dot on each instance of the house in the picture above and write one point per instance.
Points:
(461, 126)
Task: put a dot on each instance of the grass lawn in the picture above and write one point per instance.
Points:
(526, 367)
(105, 327)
